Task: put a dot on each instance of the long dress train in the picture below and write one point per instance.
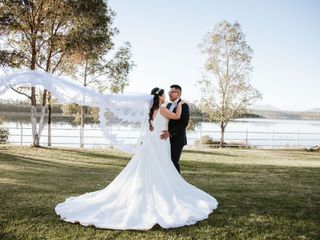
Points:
(148, 191)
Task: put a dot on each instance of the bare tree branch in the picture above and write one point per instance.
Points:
(17, 91)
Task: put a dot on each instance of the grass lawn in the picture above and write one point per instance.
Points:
(262, 194)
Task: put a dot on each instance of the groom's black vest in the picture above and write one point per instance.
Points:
(177, 128)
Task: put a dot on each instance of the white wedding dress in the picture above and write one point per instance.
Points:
(148, 191)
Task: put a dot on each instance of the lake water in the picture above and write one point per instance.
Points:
(262, 133)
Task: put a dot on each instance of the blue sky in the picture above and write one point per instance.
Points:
(284, 34)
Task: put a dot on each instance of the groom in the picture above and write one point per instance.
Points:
(177, 128)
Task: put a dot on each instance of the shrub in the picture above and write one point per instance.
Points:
(4, 133)
(208, 141)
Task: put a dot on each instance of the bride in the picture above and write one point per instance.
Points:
(148, 191)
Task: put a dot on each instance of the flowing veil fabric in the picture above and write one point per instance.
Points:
(149, 190)
(116, 110)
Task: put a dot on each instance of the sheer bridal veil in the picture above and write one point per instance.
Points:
(116, 111)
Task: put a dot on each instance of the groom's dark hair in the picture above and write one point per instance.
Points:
(176, 87)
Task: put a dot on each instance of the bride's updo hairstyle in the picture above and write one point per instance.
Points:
(156, 92)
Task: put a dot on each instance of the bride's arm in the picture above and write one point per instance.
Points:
(171, 115)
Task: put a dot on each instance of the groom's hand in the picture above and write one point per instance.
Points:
(165, 135)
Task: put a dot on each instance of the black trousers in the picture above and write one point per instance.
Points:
(175, 155)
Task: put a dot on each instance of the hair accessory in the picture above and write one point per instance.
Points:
(157, 92)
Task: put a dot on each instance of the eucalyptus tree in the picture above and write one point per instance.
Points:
(226, 88)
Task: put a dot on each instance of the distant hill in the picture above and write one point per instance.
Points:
(314, 110)
(302, 115)
(267, 107)
(269, 111)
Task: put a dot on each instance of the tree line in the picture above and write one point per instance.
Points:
(75, 37)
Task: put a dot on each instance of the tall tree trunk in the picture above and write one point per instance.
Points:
(222, 128)
(81, 126)
(82, 108)
(42, 113)
(35, 136)
(48, 66)
(49, 118)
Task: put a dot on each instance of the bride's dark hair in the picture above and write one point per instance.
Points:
(156, 92)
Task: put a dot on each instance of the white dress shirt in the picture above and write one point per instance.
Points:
(173, 105)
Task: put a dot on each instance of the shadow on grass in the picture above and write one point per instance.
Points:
(33, 163)
(91, 154)
(49, 163)
(7, 236)
(211, 153)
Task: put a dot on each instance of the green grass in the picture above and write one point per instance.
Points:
(262, 194)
